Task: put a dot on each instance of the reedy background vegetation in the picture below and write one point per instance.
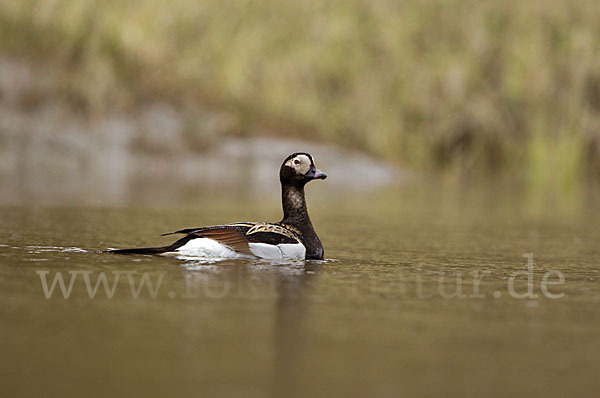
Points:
(506, 86)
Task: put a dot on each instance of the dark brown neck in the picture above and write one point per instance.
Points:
(294, 205)
(295, 213)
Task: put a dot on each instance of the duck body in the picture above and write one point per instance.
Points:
(292, 238)
(273, 241)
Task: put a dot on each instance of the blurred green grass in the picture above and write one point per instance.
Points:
(510, 86)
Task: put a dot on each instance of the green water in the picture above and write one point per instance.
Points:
(375, 319)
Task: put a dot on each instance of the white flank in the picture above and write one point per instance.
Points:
(204, 247)
(209, 248)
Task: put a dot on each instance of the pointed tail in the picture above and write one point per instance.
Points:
(154, 250)
(141, 250)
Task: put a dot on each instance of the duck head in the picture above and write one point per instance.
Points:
(298, 169)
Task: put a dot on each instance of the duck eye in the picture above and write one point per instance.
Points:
(296, 162)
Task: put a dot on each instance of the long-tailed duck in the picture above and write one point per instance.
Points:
(292, 238)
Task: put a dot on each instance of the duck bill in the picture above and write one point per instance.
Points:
(315, 174)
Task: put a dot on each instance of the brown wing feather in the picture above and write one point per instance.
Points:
(238, 235)
(227, 236)
(241, 225)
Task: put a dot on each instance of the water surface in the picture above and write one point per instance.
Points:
(380, 317)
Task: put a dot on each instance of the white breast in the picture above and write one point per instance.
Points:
(278, 252)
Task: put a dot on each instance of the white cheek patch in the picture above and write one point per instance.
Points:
(303, 167)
